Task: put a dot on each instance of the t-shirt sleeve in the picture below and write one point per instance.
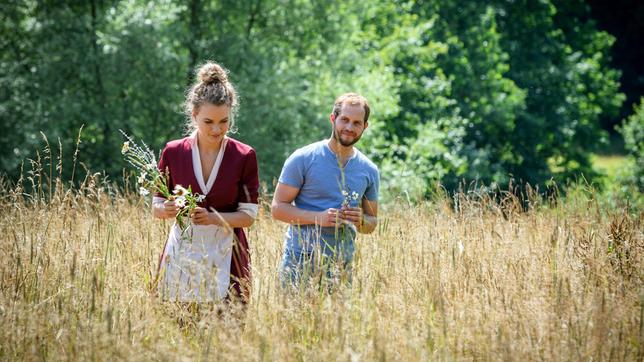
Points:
(374, 186)
(249, 183)
(293, 171)
(164, 169)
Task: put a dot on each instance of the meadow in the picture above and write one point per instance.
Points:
(467, 277)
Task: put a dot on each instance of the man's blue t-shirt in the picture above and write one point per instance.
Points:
(315, 170)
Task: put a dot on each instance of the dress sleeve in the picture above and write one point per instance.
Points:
(249, 186)
(164, 168)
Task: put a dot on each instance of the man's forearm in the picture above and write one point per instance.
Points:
(368, 224)
(293, 215)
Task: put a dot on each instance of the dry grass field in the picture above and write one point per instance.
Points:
(454, 279)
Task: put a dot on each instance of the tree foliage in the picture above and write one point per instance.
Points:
(633, 132)
(486, 91)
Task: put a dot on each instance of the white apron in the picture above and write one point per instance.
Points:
(196, 266)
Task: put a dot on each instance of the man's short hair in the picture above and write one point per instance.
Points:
(353, 99)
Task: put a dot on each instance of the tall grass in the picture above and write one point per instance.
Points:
(464, 278)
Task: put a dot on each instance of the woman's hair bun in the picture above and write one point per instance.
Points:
(212, 72)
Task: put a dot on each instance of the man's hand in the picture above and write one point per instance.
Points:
(329, 217)
(352, 215)
(282, 209)
(365, 218)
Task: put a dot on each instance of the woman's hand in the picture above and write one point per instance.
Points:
(201, 216)
(169, 210)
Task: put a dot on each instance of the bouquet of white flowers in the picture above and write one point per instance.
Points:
(349, 197)
(151, 180)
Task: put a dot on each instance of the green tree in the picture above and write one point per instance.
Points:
(18, 97)
(459, 91)
(633, 132)
(419, 141)
(560, 60)
(522, 85)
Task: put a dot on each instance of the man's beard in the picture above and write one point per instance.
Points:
(338, 137)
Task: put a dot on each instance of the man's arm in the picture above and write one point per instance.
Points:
(283, 210)
(365, 218)
(369, 216)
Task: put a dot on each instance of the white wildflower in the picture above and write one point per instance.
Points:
(143, 191)
(142, 178)
(180, 190)
(348, 197)
(200, 198)
(126, 147)
(180, 201)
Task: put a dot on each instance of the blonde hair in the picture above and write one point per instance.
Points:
(212, 87)
(353, 99)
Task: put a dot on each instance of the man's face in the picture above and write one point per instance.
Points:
(349, 124)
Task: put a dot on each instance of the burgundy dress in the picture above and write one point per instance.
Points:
(236, 182)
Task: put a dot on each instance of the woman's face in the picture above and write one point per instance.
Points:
(212, 123)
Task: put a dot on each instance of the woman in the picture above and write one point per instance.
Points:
(211, 257)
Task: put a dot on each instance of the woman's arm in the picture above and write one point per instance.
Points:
(164, 209)
(236, 219)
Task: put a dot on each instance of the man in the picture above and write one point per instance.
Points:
(327, 192)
